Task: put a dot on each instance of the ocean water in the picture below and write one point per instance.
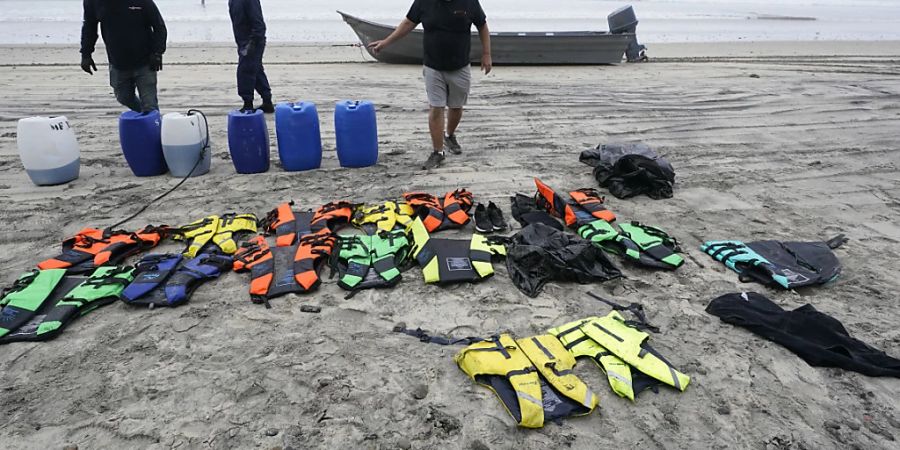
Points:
(307, 21)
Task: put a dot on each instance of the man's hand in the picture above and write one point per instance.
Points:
(156, 62)
(87, 63)
(486, 64)
(378, 46)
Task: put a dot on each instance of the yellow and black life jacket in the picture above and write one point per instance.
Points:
(449, 211)
(532, 377)
(622, 351)
(218, 230)
(385, 217)
(91, 248)
(454, 260)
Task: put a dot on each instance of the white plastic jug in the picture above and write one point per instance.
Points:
(48, 149)
(183, 138)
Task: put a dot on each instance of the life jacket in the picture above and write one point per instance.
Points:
(622, 379)
(630, 345)
(786, 264)
(21, 301)
(449, 211)
(454, 260)
(287, 225)
(589, 201)
(549, 200)
(641, 244)
(385, 217)
(273, 270)
(370, 261)
(219, 230)
(160, 281)
(91, 248)
(332, 216)
(50, 317)
(532, 377)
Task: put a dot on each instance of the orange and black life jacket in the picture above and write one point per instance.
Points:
(271, 269)
(313, 252)
(287, 225)
(554, 204)
(449, 211)
(589, 200)
(332, 216)
(91, 248)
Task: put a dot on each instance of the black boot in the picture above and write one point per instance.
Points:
(267, 106)
(248, 106)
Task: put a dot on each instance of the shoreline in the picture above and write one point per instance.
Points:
(350, 52)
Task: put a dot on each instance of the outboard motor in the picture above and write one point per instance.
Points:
(622, 21)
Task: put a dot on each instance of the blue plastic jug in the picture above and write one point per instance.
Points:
(299, 138)
(248, 141)
(356, 133)
(139, 134)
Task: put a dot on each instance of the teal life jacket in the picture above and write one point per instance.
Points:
(786, 264)
(102, 288)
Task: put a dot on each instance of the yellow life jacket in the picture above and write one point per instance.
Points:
(619, 374)
(453, 260)
(532, 377)
(629, 344)
(384, 217)
(219, 230)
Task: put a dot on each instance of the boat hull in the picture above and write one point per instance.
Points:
(534, 48)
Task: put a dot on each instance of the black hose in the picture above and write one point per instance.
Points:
(203, 151)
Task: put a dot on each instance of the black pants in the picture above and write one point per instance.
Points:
(251, 75)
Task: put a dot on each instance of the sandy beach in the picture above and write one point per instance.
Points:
(792, 141)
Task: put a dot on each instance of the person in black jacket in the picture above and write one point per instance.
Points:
(447, 53)
(250, 36)
(135, 38)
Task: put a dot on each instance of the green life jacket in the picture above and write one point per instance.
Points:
(453, 260)
(102, 288)
(358, 255)
(642, 244)
(22, 301)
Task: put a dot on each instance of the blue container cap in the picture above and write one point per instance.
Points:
(134, 115)
(239, 113)
(353, 104)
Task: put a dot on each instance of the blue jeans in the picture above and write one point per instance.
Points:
(251, 75)
(124, 83)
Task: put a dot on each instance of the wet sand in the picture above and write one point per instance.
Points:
(783, 141)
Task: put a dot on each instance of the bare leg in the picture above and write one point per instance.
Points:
(436, 127)
(453, 118)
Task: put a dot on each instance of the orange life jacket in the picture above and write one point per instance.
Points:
(91, 248)
(554, 204)
(591, 201)
(449, 211)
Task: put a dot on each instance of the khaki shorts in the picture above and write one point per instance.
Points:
(447, 88)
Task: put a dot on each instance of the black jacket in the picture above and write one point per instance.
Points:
(247, 21)
(132, 31)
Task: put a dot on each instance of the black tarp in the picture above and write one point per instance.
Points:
(628, 170)
(539, 254)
